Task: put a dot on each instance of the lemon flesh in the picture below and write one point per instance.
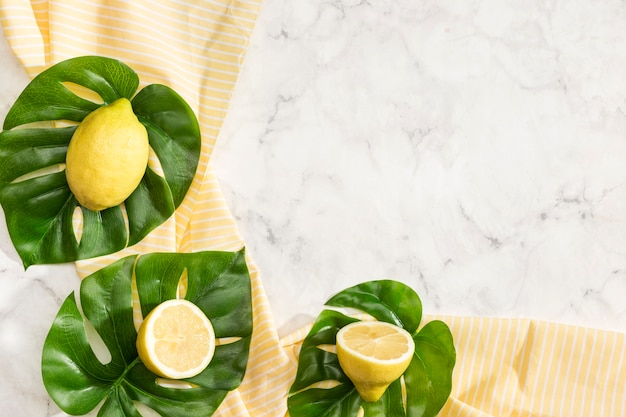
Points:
(176, 340)
(373, 354)
(107, 156)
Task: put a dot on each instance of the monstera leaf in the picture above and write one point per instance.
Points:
(428, 380)
(78, 381)
(39, 207)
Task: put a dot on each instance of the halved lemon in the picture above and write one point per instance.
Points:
(176, 340)
(373, 354)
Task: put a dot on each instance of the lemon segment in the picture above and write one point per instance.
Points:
(107, 156)
(373, 354)
(176, 340)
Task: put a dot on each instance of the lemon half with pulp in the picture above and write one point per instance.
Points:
(373, 354)
(176, 340)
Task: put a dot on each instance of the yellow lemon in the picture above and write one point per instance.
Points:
(107, 156)
(176, 340)
(373, 354)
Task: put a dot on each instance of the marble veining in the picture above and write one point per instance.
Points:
(474, 150)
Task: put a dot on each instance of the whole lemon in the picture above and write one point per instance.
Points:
(107, 156)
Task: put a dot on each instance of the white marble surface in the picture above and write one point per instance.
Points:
(474, 150)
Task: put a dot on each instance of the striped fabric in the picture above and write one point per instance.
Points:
(517, 367)
(505, 367)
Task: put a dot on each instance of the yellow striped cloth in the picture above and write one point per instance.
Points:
(505, 367)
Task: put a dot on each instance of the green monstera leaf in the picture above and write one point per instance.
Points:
(78, 380)
(39, 207)
(428, 380)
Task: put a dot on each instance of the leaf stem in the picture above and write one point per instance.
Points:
(130, 366)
